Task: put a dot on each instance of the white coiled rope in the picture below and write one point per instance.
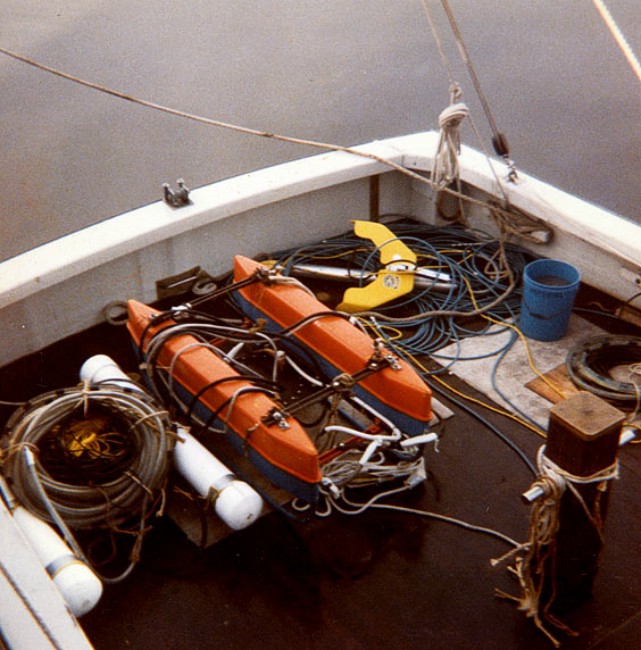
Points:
(446, 167)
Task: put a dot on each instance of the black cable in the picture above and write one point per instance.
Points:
(590, 364)
(254, 379)
(493, 428)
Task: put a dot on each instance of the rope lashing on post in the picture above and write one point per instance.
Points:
(530, 569)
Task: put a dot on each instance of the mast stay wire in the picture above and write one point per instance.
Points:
(499, 140)
(246, 130)
(455, 95)
(221, 124)
(618, 36)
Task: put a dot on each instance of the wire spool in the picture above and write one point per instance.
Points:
(472, 259)
(234, 501)
(91, 457)
(591, 366)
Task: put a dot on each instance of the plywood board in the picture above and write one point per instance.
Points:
(559, 378)
(477, 358)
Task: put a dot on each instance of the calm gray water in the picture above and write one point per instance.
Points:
(344, 71)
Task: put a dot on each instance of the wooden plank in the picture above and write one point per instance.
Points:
(558, 377)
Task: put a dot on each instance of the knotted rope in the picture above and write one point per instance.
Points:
(540, 549)
(446, 168)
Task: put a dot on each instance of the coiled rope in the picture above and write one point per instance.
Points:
(590, 366)
(85, 458)
(531, 569)
(446, 167)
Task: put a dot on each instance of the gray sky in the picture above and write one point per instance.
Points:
(347, 71)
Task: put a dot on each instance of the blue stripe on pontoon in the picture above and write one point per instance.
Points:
(406, 423)
(306, 491)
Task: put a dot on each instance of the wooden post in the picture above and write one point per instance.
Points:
(583, 439)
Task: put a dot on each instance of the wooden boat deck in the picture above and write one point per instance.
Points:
(382, 579)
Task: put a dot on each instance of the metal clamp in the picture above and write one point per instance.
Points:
(178, 198)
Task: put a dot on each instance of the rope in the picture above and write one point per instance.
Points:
(274, 276)
(69, 464)
(446, 168)
(498, 139)
(540, 548)
(335, 502)
(619, 38)
(209, 121)
(455, 95)
(237, 128)
(454, 86)
(550, 469)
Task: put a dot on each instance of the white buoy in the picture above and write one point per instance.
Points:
(235, 502)
(79, 585)
(101, 369)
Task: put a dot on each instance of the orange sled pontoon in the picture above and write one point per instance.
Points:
(282, 451)
(338, 346)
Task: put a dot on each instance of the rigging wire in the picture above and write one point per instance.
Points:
(455, 95)
(238, 128)
(619, 38)
(499, 141)
(210, 121)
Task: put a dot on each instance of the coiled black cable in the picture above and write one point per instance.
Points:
(590, 366)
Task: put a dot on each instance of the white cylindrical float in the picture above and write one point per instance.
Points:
(101, 369)
(78, 584)
(235, 502)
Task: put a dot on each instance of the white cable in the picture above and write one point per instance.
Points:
(396, 435)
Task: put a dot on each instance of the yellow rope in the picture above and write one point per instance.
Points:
(474, 400)
(396, 334)
(528, 353)
(489, 407)
(521, 336)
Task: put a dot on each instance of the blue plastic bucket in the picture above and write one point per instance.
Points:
(549, 290)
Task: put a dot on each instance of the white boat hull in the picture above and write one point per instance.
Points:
(62, 287)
